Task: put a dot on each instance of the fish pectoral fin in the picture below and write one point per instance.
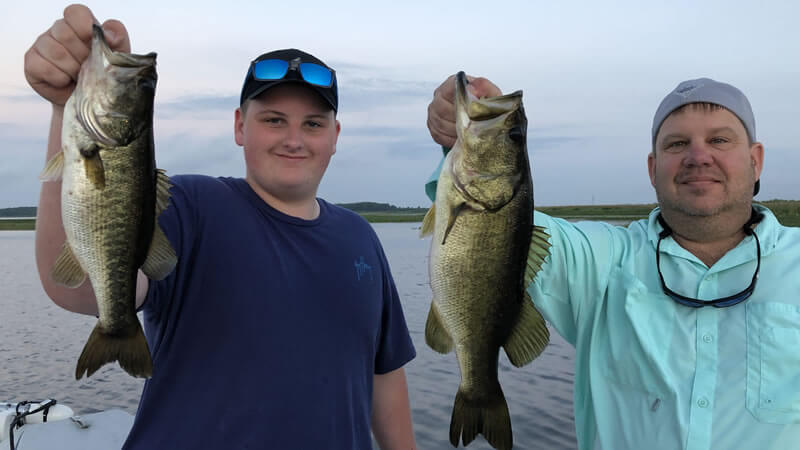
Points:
(428, 222)
(161, 258)
(436, 336)
(162, 191)
(537, 252)
(67, 270)
(95, 172)
(452, 219)
(529, 336)
(54, 168)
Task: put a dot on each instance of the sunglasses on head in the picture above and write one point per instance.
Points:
(723, 302)
(277, 69)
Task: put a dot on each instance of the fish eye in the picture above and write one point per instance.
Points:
(516, 135)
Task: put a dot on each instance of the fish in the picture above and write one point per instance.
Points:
(485, 250)
(111, 197)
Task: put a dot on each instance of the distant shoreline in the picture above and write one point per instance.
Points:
(787, 211)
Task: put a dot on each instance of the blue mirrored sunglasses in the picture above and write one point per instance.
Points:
(723, 302)
(277, 69)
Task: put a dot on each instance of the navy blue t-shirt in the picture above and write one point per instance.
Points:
(268, 332)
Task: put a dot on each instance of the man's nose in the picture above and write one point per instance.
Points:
(698, 153)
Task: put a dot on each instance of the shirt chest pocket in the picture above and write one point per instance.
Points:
(638, 329)
(773, 362)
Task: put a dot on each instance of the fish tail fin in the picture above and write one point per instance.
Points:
(129, 349)
(488, 416)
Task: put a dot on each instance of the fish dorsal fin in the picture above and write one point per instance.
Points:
(529, 336)
(428, 222)
(161, 258)
(67, 270)
(162, 191)
(436, 336)
(537, 252)
(53, 169)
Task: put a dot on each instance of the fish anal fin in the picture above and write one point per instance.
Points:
(529, 336)
(161, 258)
(436, 336)
(67, 270)
(129, 349)
(54, 168)
(428, 222)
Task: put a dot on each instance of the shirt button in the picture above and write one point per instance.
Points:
(703, 402)
(707, 338)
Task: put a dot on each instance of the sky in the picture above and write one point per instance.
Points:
(592, 74)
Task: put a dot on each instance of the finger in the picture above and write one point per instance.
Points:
(40, 69)
(80, 19)
(482, 87)
(442, 131)
(63, 47)
(447, 90)
(117, 36)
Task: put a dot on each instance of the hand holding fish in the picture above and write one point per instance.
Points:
(54, 60)
(442, 110)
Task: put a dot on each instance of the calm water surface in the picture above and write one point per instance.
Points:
(40, 343)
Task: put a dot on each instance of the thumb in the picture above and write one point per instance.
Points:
(117, 36)
(482, 87)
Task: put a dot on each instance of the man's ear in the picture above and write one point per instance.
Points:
(651, 167)
(238, 126)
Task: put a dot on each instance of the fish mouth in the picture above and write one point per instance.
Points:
(469, 107)
(120, 59)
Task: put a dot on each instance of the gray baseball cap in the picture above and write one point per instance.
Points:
(706, 90)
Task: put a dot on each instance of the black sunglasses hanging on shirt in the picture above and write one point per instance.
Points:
(724, 302)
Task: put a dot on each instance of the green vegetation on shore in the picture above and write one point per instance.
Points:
(787, 211)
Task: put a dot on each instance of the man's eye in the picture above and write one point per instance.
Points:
(676, 145)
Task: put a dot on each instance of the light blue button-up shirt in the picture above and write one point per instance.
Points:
(653, 374)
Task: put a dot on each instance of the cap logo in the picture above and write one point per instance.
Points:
(686, 91)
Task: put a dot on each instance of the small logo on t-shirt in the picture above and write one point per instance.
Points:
(362, 269)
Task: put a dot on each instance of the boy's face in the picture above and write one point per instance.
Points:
(289, 134)
(703, 164)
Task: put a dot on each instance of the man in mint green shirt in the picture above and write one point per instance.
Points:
(686, 325)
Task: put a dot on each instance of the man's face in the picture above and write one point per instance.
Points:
(702, 163)
(289, 135)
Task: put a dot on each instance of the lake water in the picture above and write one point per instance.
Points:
(40, 343)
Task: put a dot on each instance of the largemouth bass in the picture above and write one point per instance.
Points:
(485, 250)
(111, 197)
